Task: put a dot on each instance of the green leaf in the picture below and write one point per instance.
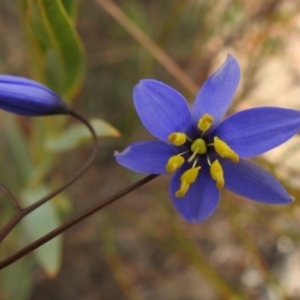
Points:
(78, 135)
(56, 37)
(38, 223)
(19, 149)
(70, 7)
(35, 23)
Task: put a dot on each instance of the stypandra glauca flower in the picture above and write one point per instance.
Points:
(204, 152)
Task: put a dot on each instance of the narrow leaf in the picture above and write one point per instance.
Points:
(57, 39)
(19, 149)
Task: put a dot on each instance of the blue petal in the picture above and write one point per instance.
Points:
(161, 109)
(251, 181)
(201, 199)
(149, 157)
(216, 94)
(254, 131)
(27, 97)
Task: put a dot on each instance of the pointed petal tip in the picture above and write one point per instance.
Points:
(144, 86)
(286, 199)
(230, 56)
(233, 63)
(230, 67)
(147, 82)
(118, 153)
(291, 199)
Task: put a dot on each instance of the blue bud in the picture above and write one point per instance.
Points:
(27, 97)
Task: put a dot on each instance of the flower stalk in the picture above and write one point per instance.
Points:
(54, 233)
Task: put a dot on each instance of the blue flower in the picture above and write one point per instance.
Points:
(205, 152)
(27, 97)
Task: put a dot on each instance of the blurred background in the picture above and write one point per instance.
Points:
(139, 248)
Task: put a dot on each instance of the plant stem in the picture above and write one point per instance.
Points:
(31, 247)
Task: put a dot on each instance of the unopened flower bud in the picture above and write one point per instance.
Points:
(27, 97)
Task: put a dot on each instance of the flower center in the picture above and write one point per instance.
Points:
(195, 149)
(199, 146)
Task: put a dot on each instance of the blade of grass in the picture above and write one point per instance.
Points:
(162, 57)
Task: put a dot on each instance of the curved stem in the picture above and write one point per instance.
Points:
(80, 173)
(21, 213)
(31, 247)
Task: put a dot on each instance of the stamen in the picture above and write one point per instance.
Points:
(174, 163)
(187, 178)
(205, 122)
(216, 173)
(224, 150)
(191, 158)
(195, 162)
(208, 160)
(177, 138)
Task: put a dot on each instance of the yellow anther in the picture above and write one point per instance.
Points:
(216, 173)
(177, 138)
(187, 178)
(174, 163)
(205, 122)
(224, 150)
